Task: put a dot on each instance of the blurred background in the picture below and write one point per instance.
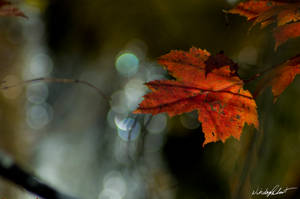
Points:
(81, 144)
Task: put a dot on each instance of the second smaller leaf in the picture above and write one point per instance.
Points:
(280, 77)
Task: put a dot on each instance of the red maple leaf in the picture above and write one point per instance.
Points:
(285, 13)
(223, 105)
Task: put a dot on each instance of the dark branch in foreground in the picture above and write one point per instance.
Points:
(14, 173)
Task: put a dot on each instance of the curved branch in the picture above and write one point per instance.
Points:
(58, 80)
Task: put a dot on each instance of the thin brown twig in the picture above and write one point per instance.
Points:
(57, 80)
(141, 146)
(257, 75)
(129, 137)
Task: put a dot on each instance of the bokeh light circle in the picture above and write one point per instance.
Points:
(128, 128)
(127, 64)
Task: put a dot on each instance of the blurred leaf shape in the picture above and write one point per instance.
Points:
(285, 12)
(7, 9)
(280, 77)
(223, 105)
